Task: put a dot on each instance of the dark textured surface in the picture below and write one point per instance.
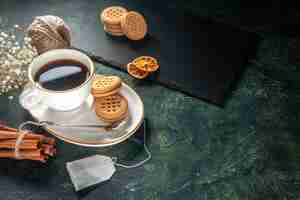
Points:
(248, 150)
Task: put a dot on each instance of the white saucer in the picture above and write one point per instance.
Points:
(91, 137)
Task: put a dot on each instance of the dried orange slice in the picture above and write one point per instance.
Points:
(146, 63)
(136, 72)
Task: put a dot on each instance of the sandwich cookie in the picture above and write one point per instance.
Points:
(111, 108)
(112, 15)
(105, 85)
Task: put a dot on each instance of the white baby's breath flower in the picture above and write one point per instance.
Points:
(15, 55)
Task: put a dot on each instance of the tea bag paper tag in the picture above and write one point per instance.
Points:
(90, 171)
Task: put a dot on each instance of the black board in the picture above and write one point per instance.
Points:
(197, 56)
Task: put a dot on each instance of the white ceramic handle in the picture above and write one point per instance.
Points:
(30, 97)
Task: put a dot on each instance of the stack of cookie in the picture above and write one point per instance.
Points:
(111, 20)
(118, 21)
(142, 66)
(110, 105)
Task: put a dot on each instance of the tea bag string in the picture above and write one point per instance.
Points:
(18, 143)
(23, 132)
(20, 138)
(149, 156)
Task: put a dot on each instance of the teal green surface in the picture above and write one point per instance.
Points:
(247, 150)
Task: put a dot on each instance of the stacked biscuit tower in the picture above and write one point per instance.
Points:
(117, 21)
(110, 105)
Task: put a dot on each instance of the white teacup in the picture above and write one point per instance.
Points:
(59, 100)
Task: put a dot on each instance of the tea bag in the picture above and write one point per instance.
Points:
(90, 171)
(96, 169)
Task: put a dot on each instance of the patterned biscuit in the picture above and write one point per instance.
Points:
(112, 15)
(122, 117)
(113, 27)
(104, 84)
(99, 95)
(134, 25)
(111, 108)
(113, 31)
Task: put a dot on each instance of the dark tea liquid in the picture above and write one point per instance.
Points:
(60, 75)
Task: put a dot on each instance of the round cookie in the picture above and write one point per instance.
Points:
(136, 72)
(112, 15)
(146, 63)
(99, 95)
(111, 108)
(114, 120)
(113, 32)
(105, 84)
(113, 27)
(134, 25)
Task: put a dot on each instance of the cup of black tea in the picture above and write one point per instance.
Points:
(62, 78)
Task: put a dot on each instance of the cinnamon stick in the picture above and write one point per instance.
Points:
(14, 135)
(3, 127)
(32, 147)
(23, 154)
(24, 141)
(8, 129)
(24, 145)
(41, 158)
